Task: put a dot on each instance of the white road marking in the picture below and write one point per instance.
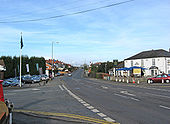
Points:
(80, 100)
(101, 114)
(165, 107)
(158, 95)
(35, 89)
(109, 119)
(125, 92)
(135, 99)
(120, 95)
(83, 102)
(104, 87)
(90, 107)
(86, 104)
(95, 110)
(61, 87)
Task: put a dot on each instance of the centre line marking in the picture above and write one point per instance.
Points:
(60, 87)
(165, 107)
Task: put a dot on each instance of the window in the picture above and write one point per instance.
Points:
(159, 76)
(168, 71)
(153, 62)
(131, 63)
(164, 75)
(142, 63)
(168, 62)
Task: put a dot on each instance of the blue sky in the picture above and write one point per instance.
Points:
(103, 35)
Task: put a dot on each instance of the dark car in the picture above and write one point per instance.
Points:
(159, 79)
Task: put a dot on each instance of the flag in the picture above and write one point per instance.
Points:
(21, 41)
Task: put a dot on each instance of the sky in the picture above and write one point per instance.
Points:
(117, 32)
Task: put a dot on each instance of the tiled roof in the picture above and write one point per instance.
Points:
(150, 54)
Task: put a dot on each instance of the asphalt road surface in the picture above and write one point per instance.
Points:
(97, 99)
(124, 103)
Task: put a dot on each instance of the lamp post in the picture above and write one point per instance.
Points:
(53, 59)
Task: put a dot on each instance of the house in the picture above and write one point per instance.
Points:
(48, 70)
(154, 61)
(2, 69)
(113, 71)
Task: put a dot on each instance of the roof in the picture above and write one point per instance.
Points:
(150, 54)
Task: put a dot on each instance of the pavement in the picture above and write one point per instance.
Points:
(70, 100)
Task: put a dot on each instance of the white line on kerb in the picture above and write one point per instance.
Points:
(165, 107)
(61, 87)
(109, 119)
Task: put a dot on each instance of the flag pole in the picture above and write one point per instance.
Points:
(20, 61)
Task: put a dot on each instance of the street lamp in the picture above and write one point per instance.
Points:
(53, 59)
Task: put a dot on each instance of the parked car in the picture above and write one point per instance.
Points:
(159, 78)
(44, 77)
(6, 84)
(36, 79)
(27, 79)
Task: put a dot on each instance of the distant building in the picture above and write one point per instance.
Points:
(155, 61)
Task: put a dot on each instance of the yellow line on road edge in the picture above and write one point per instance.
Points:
(67, 115)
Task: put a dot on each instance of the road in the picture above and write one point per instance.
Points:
(124, 103)
(90, 100)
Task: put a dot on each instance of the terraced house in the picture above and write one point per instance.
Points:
(155, 61)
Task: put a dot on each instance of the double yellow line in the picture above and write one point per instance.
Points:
(73, 116)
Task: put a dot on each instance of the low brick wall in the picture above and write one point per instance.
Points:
(126, 79)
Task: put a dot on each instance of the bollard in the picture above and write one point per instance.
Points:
(133, 81)
(123, 80)
(162, 81)
(138, 82)
(116, 79)
(127, 81)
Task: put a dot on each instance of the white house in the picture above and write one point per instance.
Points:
(155, 61)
